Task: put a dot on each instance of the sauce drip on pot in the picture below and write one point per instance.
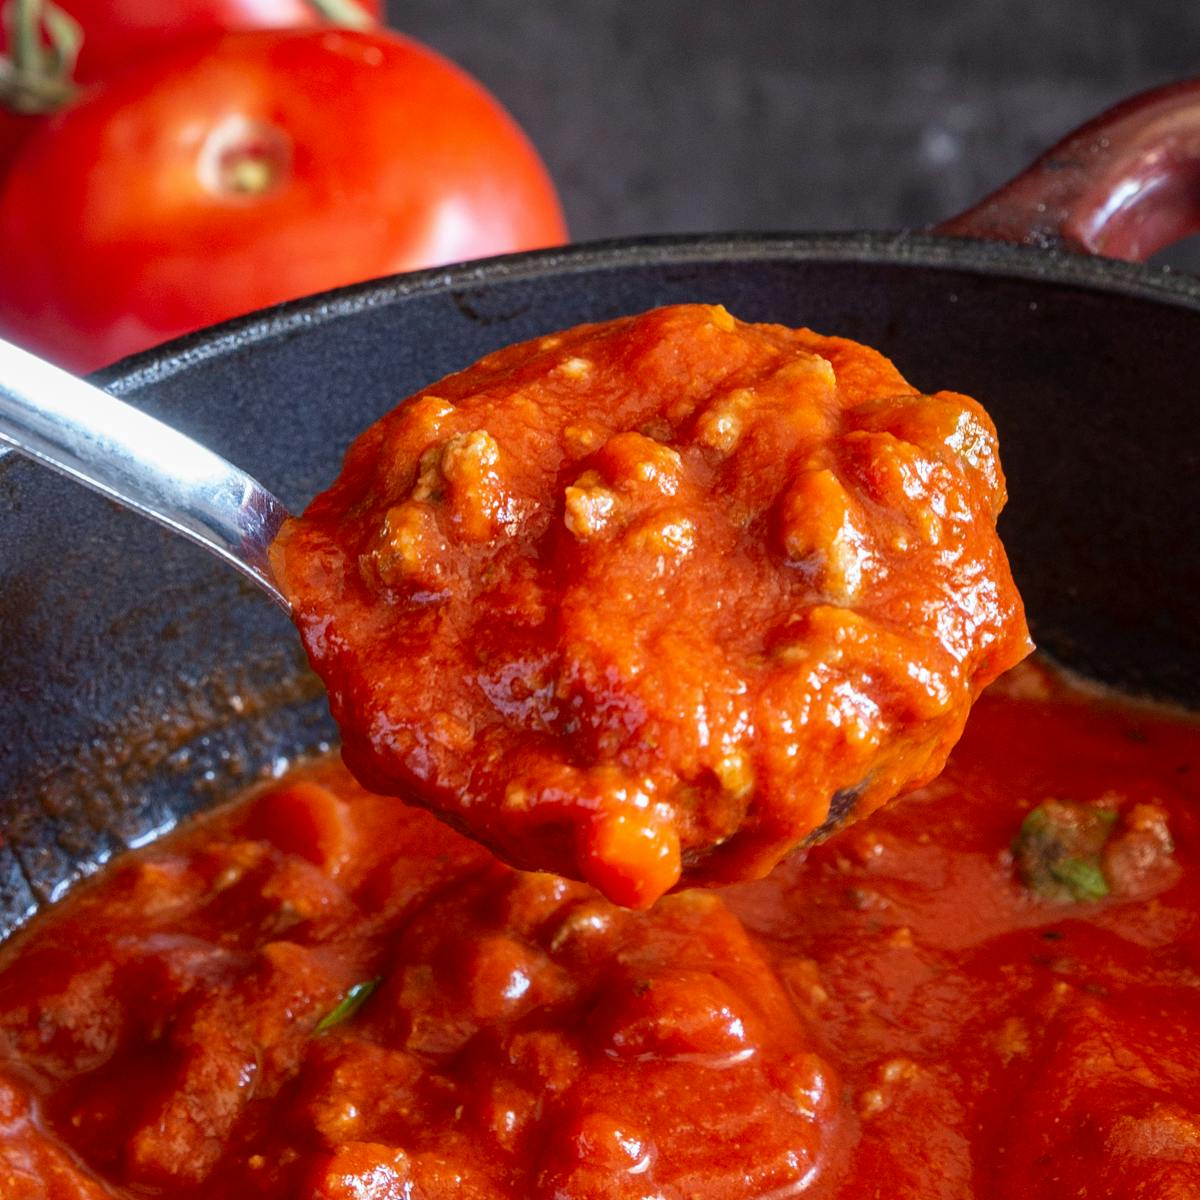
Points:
(654, 600)
(988, 989)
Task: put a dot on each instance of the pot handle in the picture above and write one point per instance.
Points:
(1125, 185)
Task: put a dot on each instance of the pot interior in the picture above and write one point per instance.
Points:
(141, 679)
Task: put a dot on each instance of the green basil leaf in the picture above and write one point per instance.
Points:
(1057, 852)
(354, 998)
(1082, 877)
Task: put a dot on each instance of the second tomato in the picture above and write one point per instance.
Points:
(116, 33)
(245, 169)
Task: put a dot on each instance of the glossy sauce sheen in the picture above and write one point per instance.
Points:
(890, 1014)
(637, 602)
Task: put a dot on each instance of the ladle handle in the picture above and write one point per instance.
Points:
(122, 453)
(1125, 185)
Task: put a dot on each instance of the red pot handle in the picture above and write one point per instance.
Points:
(1125, 185)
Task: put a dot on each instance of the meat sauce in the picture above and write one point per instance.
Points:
(988, 990)
(656, 600)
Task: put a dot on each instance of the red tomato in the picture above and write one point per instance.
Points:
(249, 168)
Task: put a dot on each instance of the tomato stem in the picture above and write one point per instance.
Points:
(343, 12)
(36, 76)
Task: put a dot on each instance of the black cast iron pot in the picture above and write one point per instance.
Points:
(140, 680)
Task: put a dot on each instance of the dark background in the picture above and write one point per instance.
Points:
(659, 116)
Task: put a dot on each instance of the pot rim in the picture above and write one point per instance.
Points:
(919, 250)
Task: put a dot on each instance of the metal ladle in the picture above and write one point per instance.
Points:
(115, 449)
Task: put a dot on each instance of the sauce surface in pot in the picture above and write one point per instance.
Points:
(651, 600)
(989, 989)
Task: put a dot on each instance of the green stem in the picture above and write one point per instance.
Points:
(24, 25)
(36, 76)
(343, 12)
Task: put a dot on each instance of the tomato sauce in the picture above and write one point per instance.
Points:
(989, 989)
(656, 600)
